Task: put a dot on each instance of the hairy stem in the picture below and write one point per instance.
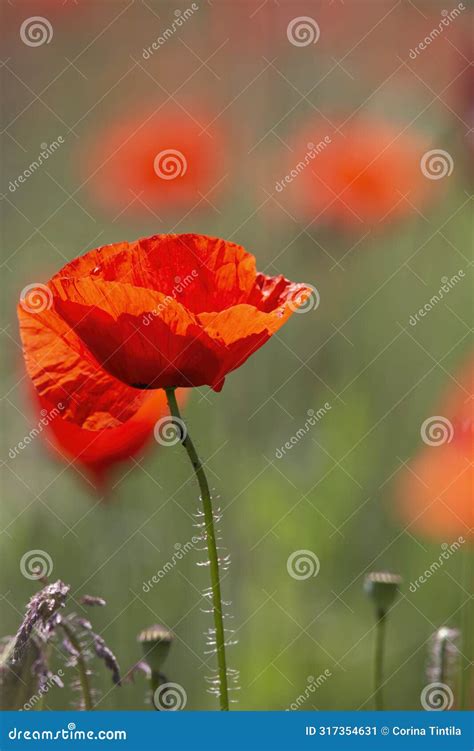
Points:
(378, 659)
(81, 666)
(211, 547)
(467, 627)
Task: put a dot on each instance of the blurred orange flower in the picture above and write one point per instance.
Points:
(367, 173)
(435, 494)
(155, 162)
(98, 453)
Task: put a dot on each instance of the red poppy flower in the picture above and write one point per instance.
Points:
(98, 453)
(159, 161)
(164, 311)
(436, 492)
(369, 173)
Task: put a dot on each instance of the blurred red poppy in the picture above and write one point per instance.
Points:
(98, 453)
(368, 173)
(164, 311)
(435, 494)
(156, 161)
(117, 422)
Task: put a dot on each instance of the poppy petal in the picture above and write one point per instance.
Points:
(121, 325)
(205, 273)
(65, 373)
(166, 311)
(97, 453)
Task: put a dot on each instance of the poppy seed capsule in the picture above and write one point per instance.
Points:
(382, 588)
(156, 642)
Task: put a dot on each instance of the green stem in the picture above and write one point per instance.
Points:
(467, 627)
(443, 662)
(211, 547)
(81, 666)
(378, 659)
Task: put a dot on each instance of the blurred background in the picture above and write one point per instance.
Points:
(247, 92)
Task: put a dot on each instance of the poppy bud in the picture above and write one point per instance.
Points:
(382, 588)
(156, 642)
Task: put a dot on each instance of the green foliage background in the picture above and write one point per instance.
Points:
(333, 493)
